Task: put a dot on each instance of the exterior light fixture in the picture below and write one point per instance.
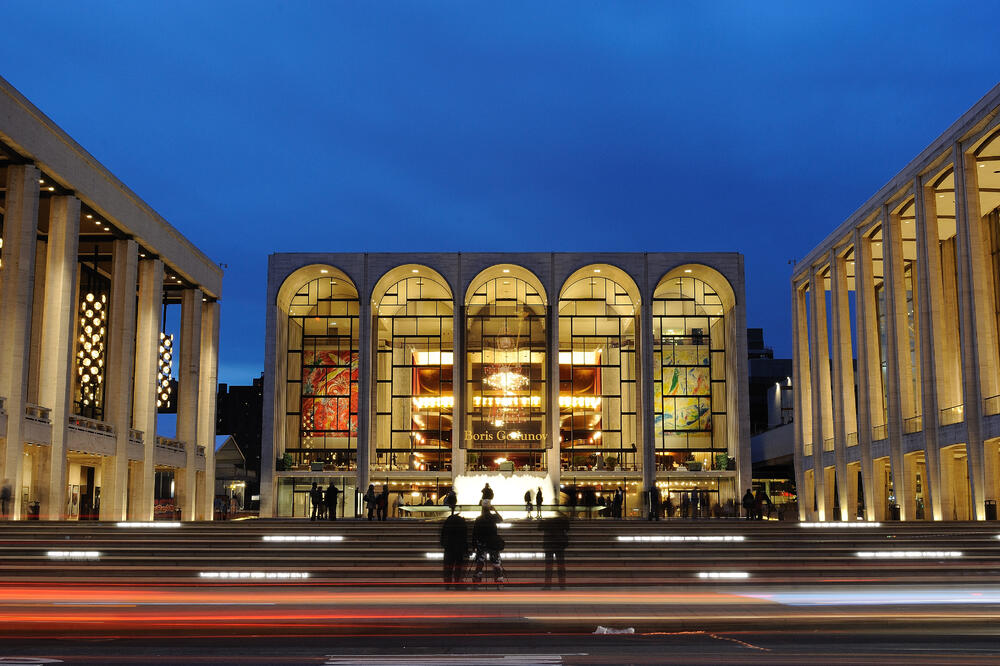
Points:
(164, 364)
(90, 349)
(323, 270)
(506, 270)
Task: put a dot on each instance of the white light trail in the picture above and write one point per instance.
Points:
(157, 523)
(254, 575)
(506, 555)
(657, 538)
(909, 554)
(723, 574)
(299, 538)
(859, 523)
(73, 554)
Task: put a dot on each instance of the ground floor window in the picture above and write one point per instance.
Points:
(294, 501)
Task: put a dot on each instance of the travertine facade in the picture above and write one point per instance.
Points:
(909, 288)
(85, 270)
(588, 371)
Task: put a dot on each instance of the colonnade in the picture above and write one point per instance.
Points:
(39, 297)
(912, 426)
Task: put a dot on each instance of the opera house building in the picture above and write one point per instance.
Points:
(579, 374)
(895, 313)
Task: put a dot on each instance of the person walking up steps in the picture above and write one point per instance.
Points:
(455, 541)
(748, 504)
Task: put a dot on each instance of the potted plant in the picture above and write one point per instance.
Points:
(693, 465)
(611, 463)
(285, 462)
(722, 460)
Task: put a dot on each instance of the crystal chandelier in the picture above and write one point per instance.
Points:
(90, 348)
(164, 363)
(506, 379)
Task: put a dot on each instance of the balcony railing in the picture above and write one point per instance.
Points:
(828, 444)
(200, 451)
(991, 405)
(879, 432)
(91, 425)
(807, 448)
(168, 443)
(951, 415)
(3, 405)
(913, 424)
(852, 439)
(37, 413)
(135, 436)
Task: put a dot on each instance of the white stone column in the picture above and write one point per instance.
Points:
(366, 355)
(737, 399)
(458, 417)
(147, 349)
(552, 454)
(207, 393)
(978, 332)
(118, 374)
(647, 405)
(844, 414)
(933, 369)
(899, 390)
(55, 373)
(819, 361)
(869, 372)
(802, 398)
(17, 273)
(188, 386)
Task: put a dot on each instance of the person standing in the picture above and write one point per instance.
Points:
(382, 503)
(455, 542)
(748, 504)
(555, 540)
(5, 495)
(487, 498)
(397, 503)
(528, 504)
(538, 503)
(331, 501)
(486, 538)
(760, 500)
(370, 500)
(316, 498)
(654, 502)
(451, 500)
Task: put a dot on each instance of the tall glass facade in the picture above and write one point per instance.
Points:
(505, 376)
(321, 418)
(414, 398)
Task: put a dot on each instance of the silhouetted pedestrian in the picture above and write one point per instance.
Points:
(528, 504)
(488, 544)
(331, 501)
(451, 500)
(487, 498)
(759, 501)
(370, 500)
(555, 540)
(316, 498)
(538, 503)
(5, 495)
(654, 502)
(382, 503)
(748, 504)
(455, 541)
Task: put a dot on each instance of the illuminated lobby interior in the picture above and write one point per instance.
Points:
(583, 372)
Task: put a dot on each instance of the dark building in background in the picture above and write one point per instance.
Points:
(239, 411)
(771, 412)
(766, 373)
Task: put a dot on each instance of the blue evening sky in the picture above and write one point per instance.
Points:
(256, 127)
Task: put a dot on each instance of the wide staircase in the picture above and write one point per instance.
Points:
(406, 552)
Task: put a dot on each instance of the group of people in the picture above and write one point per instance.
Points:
(487, 544)
(753, 505)
(537, 503)
(324, 504)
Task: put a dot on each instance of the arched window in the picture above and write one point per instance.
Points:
(506, 372)
(597, 374)
(321, 423)
(689, 375)
(414, 397)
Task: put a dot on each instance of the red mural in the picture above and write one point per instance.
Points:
(329, 391)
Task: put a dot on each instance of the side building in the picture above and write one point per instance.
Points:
(576, 373)
(907, 286)
(86, 271)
